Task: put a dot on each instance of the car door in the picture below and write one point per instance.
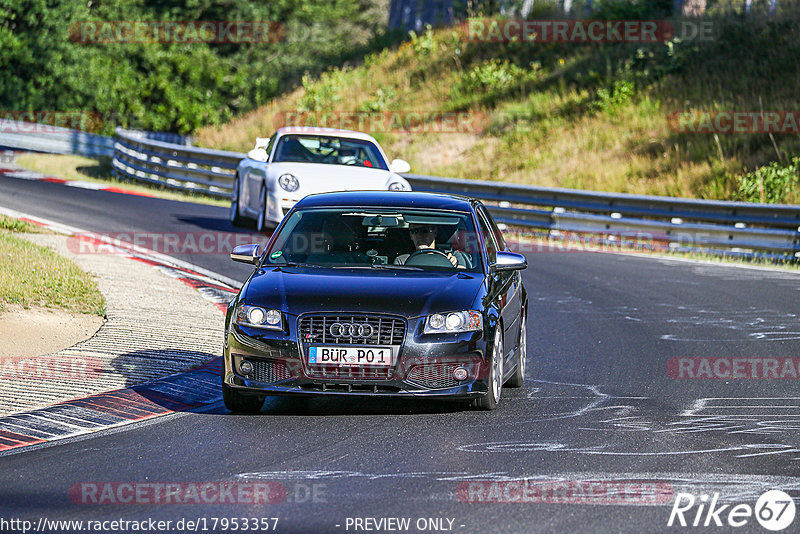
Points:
(515, 292)
(500, 284)
(256, 174)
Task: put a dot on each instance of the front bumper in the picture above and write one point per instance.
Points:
(423, 368)
(279, 204)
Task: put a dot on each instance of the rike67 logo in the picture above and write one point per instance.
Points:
(774, 510)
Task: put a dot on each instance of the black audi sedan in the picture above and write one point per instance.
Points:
(378, 293)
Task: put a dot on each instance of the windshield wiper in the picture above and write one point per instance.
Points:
(293, 264)
(373, 266)
(396, 266)
(381, 266)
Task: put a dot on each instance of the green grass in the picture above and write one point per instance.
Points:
(16, 225)
(99, 171)
(32, 275)
(592, 116)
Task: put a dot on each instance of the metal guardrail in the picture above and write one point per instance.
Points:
(36, 137)
(740, 227)
(684, 223)
(175, 166)
(22, 135)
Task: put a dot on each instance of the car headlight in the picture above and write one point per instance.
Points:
(258, 317)
(288, 182)
(460, 321)
(397, 186)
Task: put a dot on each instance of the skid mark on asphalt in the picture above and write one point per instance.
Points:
(632, 426)
(688, 322)
(731, 487)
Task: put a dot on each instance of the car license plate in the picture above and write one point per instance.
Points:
(351, 356)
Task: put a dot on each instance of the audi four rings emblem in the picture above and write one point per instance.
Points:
(351, 330)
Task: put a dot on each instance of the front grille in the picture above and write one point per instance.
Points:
(268, 371)
(386, 330)
(350, 388)
(349, 373)
(433, 376)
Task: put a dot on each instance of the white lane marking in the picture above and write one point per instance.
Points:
(24, 175)
(85, 185)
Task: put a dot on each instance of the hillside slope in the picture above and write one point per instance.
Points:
(592, 116)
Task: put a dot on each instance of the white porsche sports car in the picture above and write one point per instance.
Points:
(298, 161)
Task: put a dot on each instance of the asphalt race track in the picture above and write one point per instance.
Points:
(602, 406)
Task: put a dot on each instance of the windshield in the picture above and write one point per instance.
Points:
(329, 150)
(400, 239)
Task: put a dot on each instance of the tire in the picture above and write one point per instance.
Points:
(492, 397)
(239, 403)
(261, 222)
(234, 216)
(518, 378)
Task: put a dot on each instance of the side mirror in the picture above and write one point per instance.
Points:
(258, 154)
(399, 166)
(509, 261)
(246, 254)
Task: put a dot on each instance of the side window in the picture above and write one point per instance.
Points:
(488, 238)
(498, 235)
(270, 145)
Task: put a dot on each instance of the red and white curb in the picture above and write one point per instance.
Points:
(175, 393)
(23, 174)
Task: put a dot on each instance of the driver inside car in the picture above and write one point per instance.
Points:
(423, 236)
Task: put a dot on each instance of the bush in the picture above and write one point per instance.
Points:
(494, 75)
(423, 44)
(321, 94)
(173, 86)
(611, 99)
(381, 101)
(774, 183)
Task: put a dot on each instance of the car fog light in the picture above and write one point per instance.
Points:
(460, 373)
(246, 367)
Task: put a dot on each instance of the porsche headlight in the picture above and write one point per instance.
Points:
(288, 182)
(460, 321)
(258, 317)
(397, 186)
